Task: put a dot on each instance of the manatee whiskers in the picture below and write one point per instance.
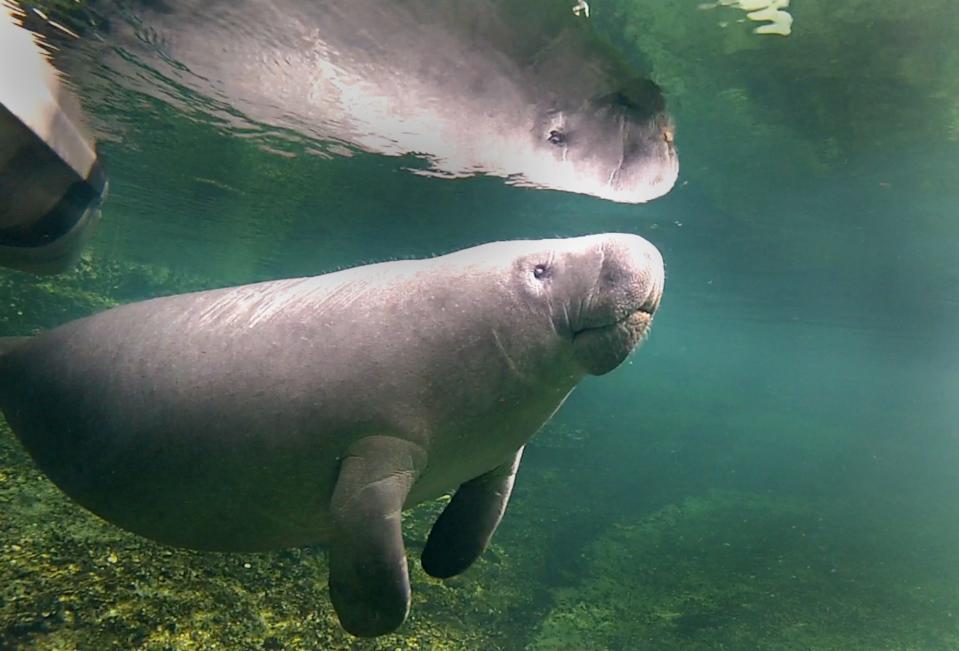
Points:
(638, 318)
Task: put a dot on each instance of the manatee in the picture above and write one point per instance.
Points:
(521, 89)
(314, 410)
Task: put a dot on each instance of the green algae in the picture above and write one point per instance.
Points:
(732, 570)
(31, 303)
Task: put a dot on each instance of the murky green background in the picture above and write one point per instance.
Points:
(778, 466)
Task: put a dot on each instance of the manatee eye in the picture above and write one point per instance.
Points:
(540, 270)
(557, 137)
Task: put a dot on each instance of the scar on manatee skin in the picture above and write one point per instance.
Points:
(581, 7)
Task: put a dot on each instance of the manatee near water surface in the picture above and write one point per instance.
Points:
(520, 89)
(315, 410)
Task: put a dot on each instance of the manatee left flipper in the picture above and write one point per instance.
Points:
(465, 526)
(369, 579)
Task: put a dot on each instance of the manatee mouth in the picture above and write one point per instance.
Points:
(637, 320)
(601, 348)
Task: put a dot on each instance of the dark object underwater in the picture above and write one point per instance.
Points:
(51, 183)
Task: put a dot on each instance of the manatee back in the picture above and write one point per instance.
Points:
(166, 433)
(215, 420)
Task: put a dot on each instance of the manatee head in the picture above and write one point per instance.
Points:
(597, 294)
(617, 146)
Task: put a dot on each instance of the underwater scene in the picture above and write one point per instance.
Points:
(694, 262)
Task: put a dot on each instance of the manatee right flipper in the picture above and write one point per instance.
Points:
(465, 526)
(369, 579)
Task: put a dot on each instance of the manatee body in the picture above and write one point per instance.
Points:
(521, 89)
(314, 410)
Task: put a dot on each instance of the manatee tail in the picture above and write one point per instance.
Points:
(9, 343)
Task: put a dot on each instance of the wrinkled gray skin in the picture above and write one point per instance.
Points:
(521, 89)
(315, 410)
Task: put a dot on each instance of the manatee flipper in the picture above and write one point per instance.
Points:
(369, 579)
(465, 526)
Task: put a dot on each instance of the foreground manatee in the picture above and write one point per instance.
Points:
(315, 410)
(521, 89)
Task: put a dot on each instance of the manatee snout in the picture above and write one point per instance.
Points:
(618, 313)
(635, 267)
(616, 145)
(648, 155)
(627, 139)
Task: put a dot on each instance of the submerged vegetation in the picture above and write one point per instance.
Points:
(30, 303)
(731, 570)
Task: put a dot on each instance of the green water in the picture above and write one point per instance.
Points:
(776, 468)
